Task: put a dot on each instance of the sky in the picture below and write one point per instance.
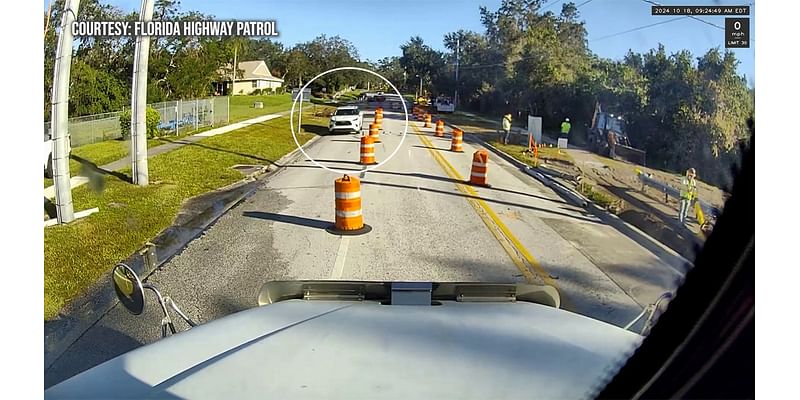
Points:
(377, 29)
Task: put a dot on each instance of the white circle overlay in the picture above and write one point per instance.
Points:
(348, 172)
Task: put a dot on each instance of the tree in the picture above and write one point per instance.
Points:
(420, 61)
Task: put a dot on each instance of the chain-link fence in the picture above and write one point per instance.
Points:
(91, 128)
(183, 116)
(177, 117)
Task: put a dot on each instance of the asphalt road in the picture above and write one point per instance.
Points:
(427, 225)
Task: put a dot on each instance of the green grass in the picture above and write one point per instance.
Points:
(548, 153)
(102, 153)
(351, 95)
(242, 106)
(77, 254)
(600, 198)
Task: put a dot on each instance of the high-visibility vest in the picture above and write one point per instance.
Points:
(689, 188)
(506, 123)
(565, 127)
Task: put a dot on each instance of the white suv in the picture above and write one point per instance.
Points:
(347, 118)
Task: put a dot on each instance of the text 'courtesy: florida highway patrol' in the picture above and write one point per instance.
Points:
(174, 28)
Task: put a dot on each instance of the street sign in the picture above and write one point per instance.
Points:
(306, 94)
(535, 128)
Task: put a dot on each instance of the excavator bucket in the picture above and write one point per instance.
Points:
(631, 154)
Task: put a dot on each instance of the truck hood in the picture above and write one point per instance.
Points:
(363, 349)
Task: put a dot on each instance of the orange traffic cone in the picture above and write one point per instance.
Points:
(374, 132)
(349, 219)
(480, 162)
(440, 128)
(367, 150)
(457, 140)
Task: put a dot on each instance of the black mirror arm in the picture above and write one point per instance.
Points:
(174, 306)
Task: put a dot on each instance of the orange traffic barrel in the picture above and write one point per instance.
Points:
(427, 120)
(379, 110)
(367, 150)
(456, 141)
(374, 133)
(440, 128)
(480, 162)
(349, 220)
(379, 121)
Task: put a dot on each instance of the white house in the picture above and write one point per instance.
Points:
(256, 75)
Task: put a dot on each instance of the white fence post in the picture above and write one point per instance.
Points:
(177, 116)
(196, 113)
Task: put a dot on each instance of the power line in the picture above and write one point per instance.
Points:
(638, 28)
(551, 4)
(584, 3)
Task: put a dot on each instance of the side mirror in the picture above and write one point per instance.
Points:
(129, 288)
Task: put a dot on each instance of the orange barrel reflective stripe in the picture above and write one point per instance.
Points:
(455, 142)
(348, 204)
(440, 128)
(480, 162)
(374, 133)
(367, 150)
(427, 120)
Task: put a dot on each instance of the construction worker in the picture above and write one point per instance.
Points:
(506, 127)
(688, 193)
(612, 144)
(565, 127)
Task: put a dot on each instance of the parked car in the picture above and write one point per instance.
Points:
(347, 118)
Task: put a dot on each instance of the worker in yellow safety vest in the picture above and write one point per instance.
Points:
(565, 127)
(688, 193)
(506, 128)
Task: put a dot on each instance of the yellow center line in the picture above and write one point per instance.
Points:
(492, 221)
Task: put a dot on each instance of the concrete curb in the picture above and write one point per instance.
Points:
(83, 312)
(663, 252)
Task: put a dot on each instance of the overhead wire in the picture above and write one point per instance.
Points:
(638, 28)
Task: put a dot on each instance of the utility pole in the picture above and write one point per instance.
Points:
(59, 124)
(455, 97)
(139, 101)
(235, 67)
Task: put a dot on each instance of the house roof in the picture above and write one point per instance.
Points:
(255, 70)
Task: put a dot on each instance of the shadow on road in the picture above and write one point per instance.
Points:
(506, 203)
(335, 161)
(314, 166)
(315, 129)
(73, 363)
(289, 219)
(454, 181)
